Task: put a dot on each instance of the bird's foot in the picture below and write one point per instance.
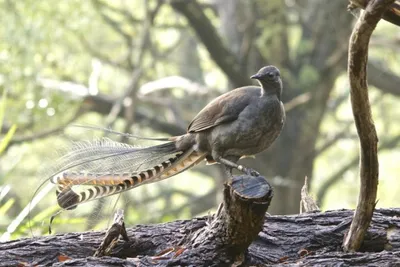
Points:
(248, 171)
(252, 172)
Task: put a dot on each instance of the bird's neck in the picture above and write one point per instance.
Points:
(271, 89)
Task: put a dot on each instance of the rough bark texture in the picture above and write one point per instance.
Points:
(369, 167)
(216, 242)
(307, 239)
(391, 14)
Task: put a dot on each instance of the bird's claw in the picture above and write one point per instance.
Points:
(248, 171)
(252, 172)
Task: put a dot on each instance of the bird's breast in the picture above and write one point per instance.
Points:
(260, 127)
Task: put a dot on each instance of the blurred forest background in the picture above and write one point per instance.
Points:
(148, 66)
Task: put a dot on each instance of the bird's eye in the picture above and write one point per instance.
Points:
(270, 75)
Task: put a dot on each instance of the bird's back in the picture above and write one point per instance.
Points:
(225, 108)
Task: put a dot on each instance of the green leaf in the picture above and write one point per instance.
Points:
(7, 138)
(6, 206)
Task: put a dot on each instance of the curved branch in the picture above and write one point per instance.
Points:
(369, 167)
(392, 14)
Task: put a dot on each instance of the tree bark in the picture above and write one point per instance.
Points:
(369, 166)
(309, 239)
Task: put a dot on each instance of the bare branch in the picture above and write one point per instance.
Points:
(307, 203)
(391, 14)
(369, 167)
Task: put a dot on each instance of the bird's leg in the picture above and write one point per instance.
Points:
(230, 164)
(227, 170)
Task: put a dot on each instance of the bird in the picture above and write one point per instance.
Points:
(242, 122)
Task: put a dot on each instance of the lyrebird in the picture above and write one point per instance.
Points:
(241, 122)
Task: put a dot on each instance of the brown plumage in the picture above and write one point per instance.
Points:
(241, 122)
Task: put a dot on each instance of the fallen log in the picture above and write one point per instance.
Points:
(306, 239)
(215, 241)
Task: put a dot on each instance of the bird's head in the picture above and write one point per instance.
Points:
(269, 78)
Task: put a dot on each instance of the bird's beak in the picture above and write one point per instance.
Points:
(255, 76)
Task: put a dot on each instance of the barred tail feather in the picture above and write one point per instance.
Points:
(110, 184)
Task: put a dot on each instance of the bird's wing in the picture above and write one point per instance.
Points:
(223, 109)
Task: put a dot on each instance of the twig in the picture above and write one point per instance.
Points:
(112, 236)
(369, 167)
(307, 203)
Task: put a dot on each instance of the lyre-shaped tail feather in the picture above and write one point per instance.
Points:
(107, 156)
(110, 184)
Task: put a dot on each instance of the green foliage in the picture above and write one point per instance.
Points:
(7, 138)
(6, 206)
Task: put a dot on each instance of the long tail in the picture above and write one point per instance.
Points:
(107, 184)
